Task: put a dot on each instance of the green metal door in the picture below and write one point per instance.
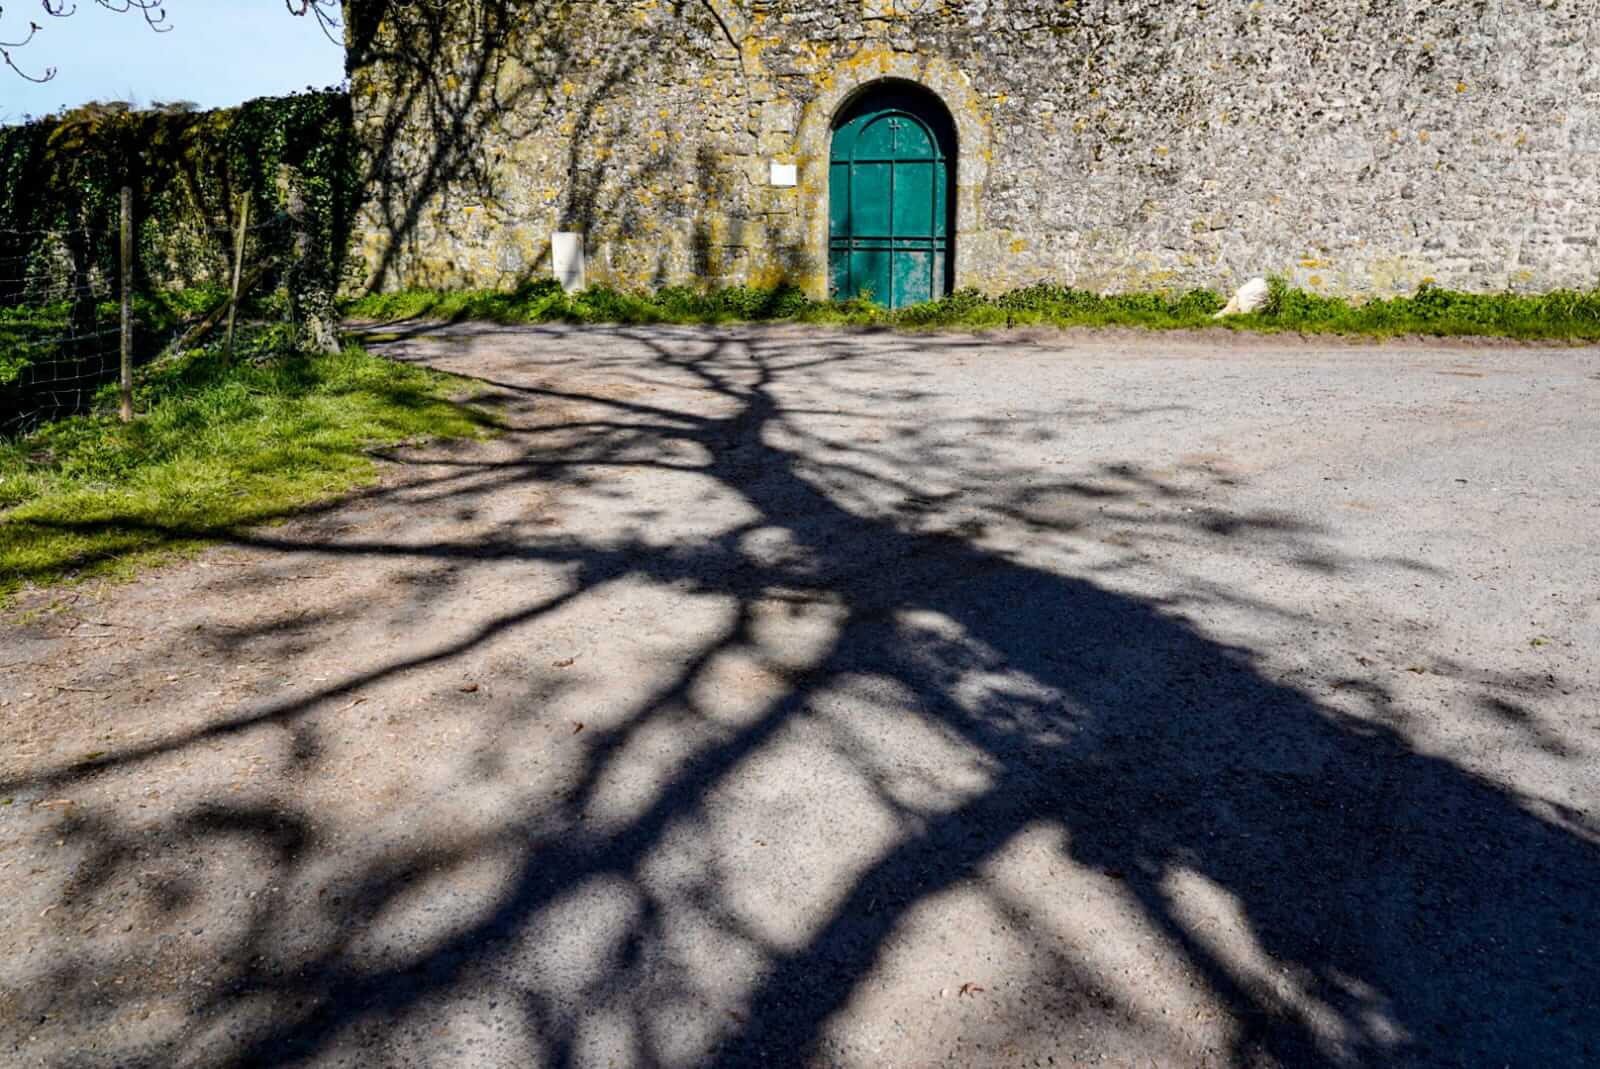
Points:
(889, 200)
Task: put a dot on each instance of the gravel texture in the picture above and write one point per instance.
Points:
(784, 697)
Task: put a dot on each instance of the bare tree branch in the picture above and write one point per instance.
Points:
(154, 14)
(5, 53)
(324, 11)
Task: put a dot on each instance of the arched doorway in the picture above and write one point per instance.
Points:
(891, 183)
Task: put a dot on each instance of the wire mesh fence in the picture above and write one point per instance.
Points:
(60, 329)
(72, 312)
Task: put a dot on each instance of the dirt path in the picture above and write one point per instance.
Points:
(775, 697)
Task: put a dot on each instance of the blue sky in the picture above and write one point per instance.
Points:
(219, 52)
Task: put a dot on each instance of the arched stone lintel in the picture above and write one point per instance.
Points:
(814, 132)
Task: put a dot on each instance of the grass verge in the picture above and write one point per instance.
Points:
(1562, 315)
(218, 446)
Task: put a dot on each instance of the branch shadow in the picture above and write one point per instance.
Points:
(1338, 895)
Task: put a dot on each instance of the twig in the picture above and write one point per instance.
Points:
(212, 319)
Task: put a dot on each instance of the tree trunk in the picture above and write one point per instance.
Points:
(311, 291)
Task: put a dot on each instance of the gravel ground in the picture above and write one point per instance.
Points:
(784, 697)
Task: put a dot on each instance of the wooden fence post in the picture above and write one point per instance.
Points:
(238, 266)
(127, 304)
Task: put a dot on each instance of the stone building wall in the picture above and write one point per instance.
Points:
(1354, 146)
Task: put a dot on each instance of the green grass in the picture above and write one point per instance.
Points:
(1562, 315)
(217, 447)
(543, 302)
(36, 333)
(32, 333)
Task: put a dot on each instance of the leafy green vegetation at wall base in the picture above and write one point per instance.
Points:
(1563, 315)
(218, 447)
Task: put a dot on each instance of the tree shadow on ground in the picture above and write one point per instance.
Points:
(1342, 897)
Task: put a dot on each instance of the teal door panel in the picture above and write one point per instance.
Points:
(912, 200)
(871, 203)
(889, 200)
(890, 135)
(913, 276)
(839, 197)
(869, 273)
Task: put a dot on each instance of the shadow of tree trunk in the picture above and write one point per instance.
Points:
(1392, 908)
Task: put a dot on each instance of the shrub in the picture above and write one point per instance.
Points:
(1563, 314)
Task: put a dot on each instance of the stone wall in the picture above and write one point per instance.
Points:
(1354, 146)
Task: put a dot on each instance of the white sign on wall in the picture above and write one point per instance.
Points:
(566, 259)
(785, 174)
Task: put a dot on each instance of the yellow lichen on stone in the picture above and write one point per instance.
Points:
(653, 126)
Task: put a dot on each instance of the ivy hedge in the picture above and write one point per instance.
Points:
(61, 179)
